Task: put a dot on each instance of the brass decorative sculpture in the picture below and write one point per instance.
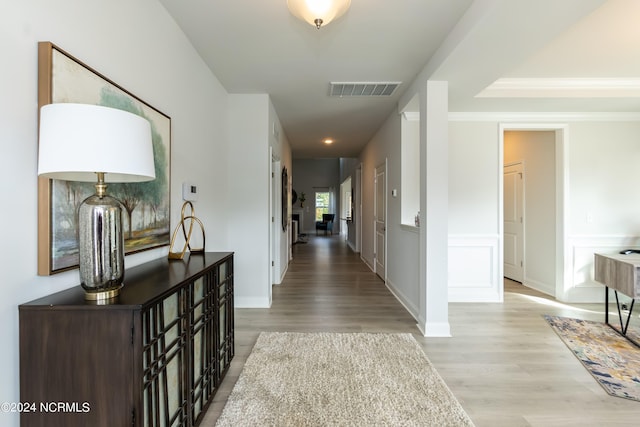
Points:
(187, 235)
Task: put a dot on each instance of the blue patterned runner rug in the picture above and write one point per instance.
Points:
(610, 358)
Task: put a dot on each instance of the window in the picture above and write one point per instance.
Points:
(322, 204)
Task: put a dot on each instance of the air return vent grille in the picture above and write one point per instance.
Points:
(343, 89)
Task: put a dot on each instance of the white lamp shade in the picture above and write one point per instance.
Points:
(310, 10)
(79, 140)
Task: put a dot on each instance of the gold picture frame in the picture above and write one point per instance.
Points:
(62, 78)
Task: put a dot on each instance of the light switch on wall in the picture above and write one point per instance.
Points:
(189, 192)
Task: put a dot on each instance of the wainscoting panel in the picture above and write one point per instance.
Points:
(579, 283)
(473, 268)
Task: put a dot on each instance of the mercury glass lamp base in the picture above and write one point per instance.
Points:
(100, 246)
(103, 295)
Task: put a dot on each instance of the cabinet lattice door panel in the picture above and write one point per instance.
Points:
(164, 349)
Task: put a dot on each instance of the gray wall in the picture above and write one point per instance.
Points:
(309, 176)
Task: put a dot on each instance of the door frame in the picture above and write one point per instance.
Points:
(345, 187)
(275, 231)
(375, 207)
(562, 270)
(358, 207)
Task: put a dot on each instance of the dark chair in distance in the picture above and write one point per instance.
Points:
(326, 224)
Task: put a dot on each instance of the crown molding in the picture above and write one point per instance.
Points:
(537, 117)
(562, 88)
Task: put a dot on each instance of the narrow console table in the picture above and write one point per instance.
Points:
(155, 356)
(620, 272)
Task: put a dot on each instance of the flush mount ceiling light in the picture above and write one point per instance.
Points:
(318, 12)
(328, 141)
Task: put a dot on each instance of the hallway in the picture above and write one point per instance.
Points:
(504, 363)
(329, 288)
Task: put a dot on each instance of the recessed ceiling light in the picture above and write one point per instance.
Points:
(328, 141)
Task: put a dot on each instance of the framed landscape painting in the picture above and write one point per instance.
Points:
(62, 78)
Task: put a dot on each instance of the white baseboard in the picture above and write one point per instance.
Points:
(406, 302)
(545, 288)
(435, 330)
(251, 302)
(284, 273)
(366, 262)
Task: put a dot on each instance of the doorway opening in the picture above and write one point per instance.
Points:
(532, 206)
(346, 207)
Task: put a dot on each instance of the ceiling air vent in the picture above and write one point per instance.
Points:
(342, 89)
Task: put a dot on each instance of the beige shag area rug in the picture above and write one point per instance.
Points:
(345, 379)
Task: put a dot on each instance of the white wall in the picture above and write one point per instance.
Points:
(249, 198)
(281, 152)
(600, 206)
(597, 193)
(381, 147)
(603, 210)
(417, 258)
(474, 195)
(434, 209)
(137, 45)
(403, 248)
(473, 191)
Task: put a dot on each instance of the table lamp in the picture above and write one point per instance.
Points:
(90, 143)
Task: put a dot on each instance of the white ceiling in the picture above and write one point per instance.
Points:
(537, 47)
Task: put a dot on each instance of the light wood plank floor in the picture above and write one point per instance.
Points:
(504, 363)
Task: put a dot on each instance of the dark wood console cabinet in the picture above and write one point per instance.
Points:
(154, 357)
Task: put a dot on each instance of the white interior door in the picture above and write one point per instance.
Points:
(514, 222)
(380, 218)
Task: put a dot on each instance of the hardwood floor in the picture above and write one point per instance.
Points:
(504, 363)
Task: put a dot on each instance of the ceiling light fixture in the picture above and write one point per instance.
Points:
(318, 12)
(328, 141)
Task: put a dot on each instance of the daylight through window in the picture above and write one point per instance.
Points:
(322, 204)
